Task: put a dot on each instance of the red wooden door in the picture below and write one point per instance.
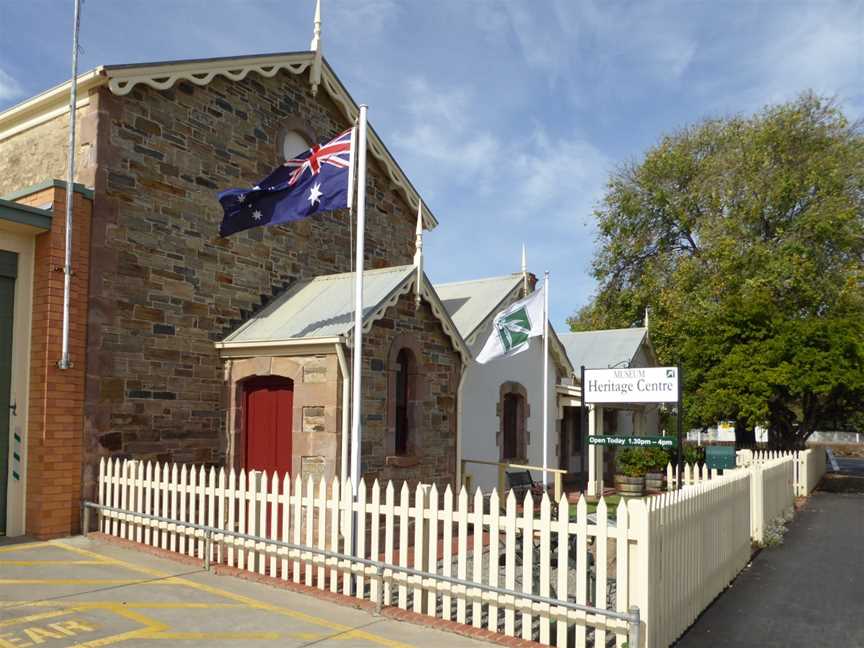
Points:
(269, 403)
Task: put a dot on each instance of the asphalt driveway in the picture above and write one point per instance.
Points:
(807, 593)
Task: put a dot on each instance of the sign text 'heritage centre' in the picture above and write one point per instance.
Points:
(637, 385)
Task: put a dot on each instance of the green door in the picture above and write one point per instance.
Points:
(8, 272)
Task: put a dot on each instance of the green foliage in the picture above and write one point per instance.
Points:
(693, 454)
(657, 458)
(634, 462)
(745, 237)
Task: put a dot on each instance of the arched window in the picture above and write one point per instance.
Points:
(513, 413)
(293, 144)
(512, 406)
(295, 137)
(403, 368)
(405, 395)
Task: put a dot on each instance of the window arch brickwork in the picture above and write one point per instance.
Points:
(513, 404)
(415, 394)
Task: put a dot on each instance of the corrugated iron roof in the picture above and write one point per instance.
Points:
(469, 303)
(602, 349)
(321, 307)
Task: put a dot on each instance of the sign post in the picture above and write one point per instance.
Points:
(635, 385)
(680, 429)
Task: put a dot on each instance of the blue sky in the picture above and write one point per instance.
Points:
(507, 115)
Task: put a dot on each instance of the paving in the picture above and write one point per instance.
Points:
(88, 592)
(809, 591)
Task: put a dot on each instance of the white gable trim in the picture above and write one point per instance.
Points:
(122, 79)
(427, 291)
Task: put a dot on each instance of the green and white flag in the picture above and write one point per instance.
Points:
(513, 328)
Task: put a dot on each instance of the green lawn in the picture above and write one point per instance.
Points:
(611, 505)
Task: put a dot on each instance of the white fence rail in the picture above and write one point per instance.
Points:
(538, 551)
(772, 493)
(696, 541)
(530, 569)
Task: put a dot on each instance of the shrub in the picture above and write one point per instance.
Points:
(634, 462)
(694, 454)
(658, 458)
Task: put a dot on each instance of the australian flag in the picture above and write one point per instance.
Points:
(314, 181)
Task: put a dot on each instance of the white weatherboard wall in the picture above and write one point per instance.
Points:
(480, 422)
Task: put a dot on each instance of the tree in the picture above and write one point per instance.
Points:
(745, 237)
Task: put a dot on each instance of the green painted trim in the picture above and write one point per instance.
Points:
(25, 215)
(8, 264)
(48, 184)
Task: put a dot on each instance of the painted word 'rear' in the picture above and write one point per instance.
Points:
(36, 635)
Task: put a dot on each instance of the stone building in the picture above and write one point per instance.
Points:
(162, 303)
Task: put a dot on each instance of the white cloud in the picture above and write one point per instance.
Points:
(818, 47)
(9, 87)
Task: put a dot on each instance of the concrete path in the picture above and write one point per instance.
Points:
(87, 592)
(808, 592)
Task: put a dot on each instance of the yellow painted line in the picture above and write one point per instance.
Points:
(83, 581)
(250, 602)
(97, 605)
(24, 546)
(34, 617)
(151, 626)
(49, 563)
(262, 636)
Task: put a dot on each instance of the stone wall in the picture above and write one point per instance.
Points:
(316, 409)
(41, 153)
(164, 286)
(432, 450)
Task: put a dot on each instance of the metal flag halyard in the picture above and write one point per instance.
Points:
(545, 375)
(357, 359)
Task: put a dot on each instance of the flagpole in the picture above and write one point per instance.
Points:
(545, 376)
(357, 360)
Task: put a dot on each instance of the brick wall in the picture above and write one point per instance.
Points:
(56, 411)
(164, 286)
(432, 450)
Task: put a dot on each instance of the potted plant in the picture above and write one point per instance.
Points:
(655, 478)
(632, 464)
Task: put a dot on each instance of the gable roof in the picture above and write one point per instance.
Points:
(469, 303)
(472, 305)
(604, 348)
(161, 75)
(322, 309)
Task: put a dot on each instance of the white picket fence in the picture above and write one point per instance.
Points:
(809, 468)
(471, 557)
(453, 535)
(772, 494)
(697, 541)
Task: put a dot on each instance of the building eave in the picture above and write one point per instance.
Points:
(49, 104)
(24, 217)
(122, 79)
(256, 348)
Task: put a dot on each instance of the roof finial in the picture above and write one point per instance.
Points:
(524, 270)
(418, 253)
(647, 308)
(316, 30)
(315, 46)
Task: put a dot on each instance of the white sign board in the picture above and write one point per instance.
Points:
(639, 385)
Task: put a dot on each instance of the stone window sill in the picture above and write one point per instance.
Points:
(401, 461)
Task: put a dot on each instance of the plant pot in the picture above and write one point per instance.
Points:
(655, 481)
(629, 486)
